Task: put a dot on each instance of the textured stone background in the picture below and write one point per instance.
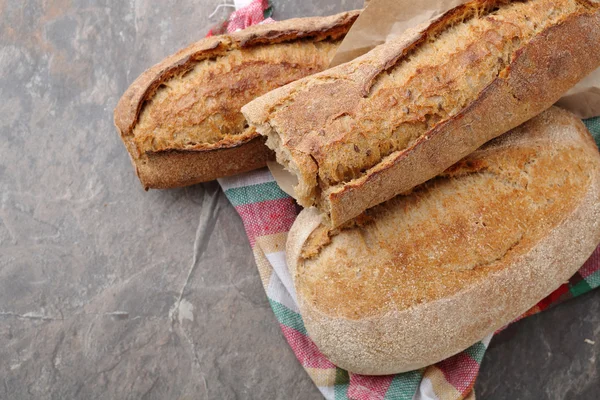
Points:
(108, 292)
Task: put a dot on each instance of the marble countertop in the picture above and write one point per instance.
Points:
(110, 292)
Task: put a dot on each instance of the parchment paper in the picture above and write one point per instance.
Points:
(285, 179)
(382, 20)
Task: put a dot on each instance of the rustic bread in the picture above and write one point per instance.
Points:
(181, 120)
(428, 273)
(360, 133)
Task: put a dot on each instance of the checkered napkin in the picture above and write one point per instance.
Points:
(247, 13)
(268, 214)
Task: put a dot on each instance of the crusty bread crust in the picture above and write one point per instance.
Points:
(393, 339)
(173, 167)
(540, 72)
(167, 169)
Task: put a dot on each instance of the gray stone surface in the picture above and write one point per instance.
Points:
(108, 292)
(554, 355)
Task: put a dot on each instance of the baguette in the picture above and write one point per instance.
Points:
(427, 274)
(181, 120)
(362, 132)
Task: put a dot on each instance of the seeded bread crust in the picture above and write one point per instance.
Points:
(404, 312)
(172, 163)
(324, 128)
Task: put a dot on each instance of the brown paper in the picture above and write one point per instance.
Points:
(285, 179)
(584, 99)
(382, 20)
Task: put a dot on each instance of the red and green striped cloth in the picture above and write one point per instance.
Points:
(255, 12)
(268, 213)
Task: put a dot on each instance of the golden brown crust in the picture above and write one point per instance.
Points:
(168, 169)
(316, 28)
(342, 179)
(200, 110)
(130, 104)
(459, 257)
(143, 146)
(313, 29)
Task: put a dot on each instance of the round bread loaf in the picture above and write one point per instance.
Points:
(428, 273)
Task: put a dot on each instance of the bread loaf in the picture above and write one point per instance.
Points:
(181, 119)
(360, 133)
(427, 274)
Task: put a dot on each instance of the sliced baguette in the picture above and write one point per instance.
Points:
(427, 274)
(181, 120)
(362, 132)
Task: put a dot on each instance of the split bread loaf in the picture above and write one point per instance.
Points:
(181, 120)
(358, 134)
(428, 273)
